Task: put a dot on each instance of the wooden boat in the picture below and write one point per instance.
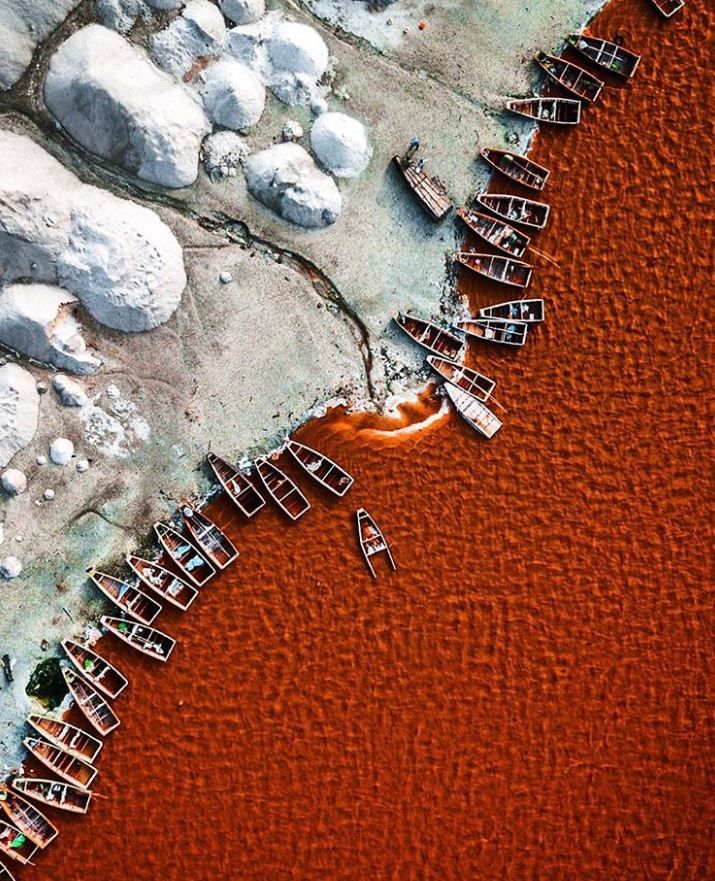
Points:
(557, 111)
(282, 490)
(15, 844)
(570, 76)
(431, 336)
(28, 819)
(527, 311)
(668, 8)
(127, 597)
(172, 588)
(322, 469)
(94, 707)
(67, 737)
(97, 670)
(497, 268)
(372, 541)
(517, 168)
(146, 640)
(607, 55)
(212, 540)
(473, 383)
(516, 208)
(496, 330)
(5, 874)
(237, 486)
(430, 192)
(186, 556)
(474, 412)
(66, 766)
(63, 796)
(497, 232)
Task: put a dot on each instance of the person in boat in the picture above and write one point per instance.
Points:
(420, 165)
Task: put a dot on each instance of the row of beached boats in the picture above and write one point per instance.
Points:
(197, 553)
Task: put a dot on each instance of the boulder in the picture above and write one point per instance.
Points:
(110, 98)
(340, 143)
(243, 11)
(118, 258)
(37, 320)
(61, 450)
(19, 410)
(196, 34)
(233, 95)
(13, 481)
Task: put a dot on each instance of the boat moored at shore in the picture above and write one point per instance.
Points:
(169, 586)
(496, 330)
(95, 708)
(28, 819)
(195, 566)
(495, 231)
(63, 796)
(429, 190)
(527, 311)
(497, 268)
(431, 336)
(469, 380)
(15, 844)
(62, 763)
(516, 209)
(557, 111)
(69, 738)
(668, 8)
(212, 540)
(570, 76)
(97, 670)
(517, 168)
(127, 597)
(284, 492)
(322, 469)
(236, 486)
(473, 411)
(150, 642)
(607, 55)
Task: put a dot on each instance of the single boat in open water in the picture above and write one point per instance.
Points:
(496, 232)
(236, 485)
(570, 76)
(186, 555)
(15, 844)
(528, 311)
(473, 411)
(431, 336)
(609, 56)
(97, 670)
(517, 168)
(28, 819)
(150, 642)
(169, 586)
(91, 703)
(496, 330)
(372, 541)
(668, 8)
(497, 268)
(284, 492)
(66, 766)
(557, 111)
(516, 209)
(469, 380)
(322, 469)
(69, 738)
(212, 540)
(429, 190)
(126, 596)
(63, 796)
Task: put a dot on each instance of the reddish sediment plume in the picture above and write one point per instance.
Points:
(530, 694)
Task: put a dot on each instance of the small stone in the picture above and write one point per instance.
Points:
(112, 391)
(69, 391)
(42, 387)
(292, 130)
(226, 277)
(82, 466)
(49, 494)
(318, 106)
(61, 450)
(13, 481)
(41, 460)
(10, 567)
(18, 538)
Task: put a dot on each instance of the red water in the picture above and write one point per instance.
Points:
(530, 696)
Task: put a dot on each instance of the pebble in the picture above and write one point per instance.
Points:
(10, 567)
(49, 494)
(82, 466)
(61, 450)
(13, 481)
(226, 277)
(41, 460)
(41, 387)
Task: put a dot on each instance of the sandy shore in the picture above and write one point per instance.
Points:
(304, 320)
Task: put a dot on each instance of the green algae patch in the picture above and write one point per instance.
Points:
(47, 684)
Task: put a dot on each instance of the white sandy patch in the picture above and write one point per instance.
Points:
(115, 430)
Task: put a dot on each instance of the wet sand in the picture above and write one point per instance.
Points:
(529, 695)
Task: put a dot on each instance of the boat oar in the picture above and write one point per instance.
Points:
(545, 256)
(501, 406)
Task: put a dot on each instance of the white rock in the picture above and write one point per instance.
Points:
(48, 494)
(285, 179)
(19, 410)
(222, 153)
(13, 481)
(318, 105)
(41, 460)
(36, 320)
(82, 466)
(225, 277)
(61, 450)
(165, 4)
(292, 130)
(196, 34)
(298, 48)
(120, 15)
(121, 261)
(69, 391)
(10, 567)
(111, 99)
(242, 11)
(340, 143)
(233, 95)
(42, 387)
